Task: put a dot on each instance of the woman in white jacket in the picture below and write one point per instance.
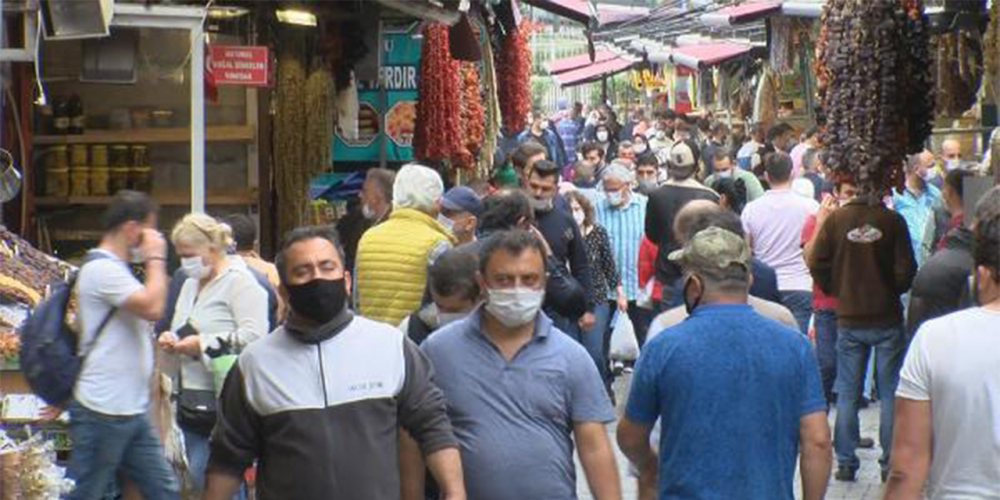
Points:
(220, 310)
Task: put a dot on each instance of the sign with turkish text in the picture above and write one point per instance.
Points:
(239, 65)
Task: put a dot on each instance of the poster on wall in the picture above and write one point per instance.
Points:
(390, 122)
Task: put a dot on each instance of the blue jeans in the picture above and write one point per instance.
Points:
(595, 339)
(853, 345)
(826, 349)
(800, 303)
(103, 444)
(197, 450)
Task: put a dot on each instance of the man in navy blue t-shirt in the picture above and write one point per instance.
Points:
(738, 395)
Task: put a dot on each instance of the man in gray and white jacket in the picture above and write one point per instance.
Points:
(319, 402)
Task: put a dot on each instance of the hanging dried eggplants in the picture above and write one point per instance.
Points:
(877, 110)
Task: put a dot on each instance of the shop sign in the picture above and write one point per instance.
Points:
(391, 117)
(239, 65)
(647, 80)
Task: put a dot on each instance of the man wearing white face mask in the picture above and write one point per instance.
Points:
(519, 391)
(723, 167)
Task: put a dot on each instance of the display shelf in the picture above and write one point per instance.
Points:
(230, 133)
(168, 198)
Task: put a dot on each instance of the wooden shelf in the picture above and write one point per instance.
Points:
(166, 198)
(229, 133)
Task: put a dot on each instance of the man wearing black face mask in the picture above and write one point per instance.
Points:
(317, 403)
(735, 373)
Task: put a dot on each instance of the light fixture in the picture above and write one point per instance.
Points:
(296, 16)
(227, 12)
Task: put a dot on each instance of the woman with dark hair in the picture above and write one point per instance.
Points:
(604, 278)
(732, 193)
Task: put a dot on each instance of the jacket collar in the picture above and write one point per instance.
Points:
(308, 332)
(414, 215)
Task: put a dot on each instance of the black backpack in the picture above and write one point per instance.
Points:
(50, 357)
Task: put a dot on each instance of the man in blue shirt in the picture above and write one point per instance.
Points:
(520, 392)
(918, 200)
(738, 395)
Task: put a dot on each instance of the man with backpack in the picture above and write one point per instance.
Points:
(108, 423)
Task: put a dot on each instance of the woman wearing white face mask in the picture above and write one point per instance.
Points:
(603, 276)
(220, 310)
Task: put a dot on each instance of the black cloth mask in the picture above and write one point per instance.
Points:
(319, 300)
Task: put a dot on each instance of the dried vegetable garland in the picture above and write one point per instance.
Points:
(991, 54)
(867, 51)
(491, 103)
(472, 116)
(920, 90)
(514, 80)
(959, 68)
(438, 133)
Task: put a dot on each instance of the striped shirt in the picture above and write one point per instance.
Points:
(625, 227)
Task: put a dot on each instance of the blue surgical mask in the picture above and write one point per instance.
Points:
(616, 198)
(446, 222)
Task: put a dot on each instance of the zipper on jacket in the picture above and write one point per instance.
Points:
(322, 374)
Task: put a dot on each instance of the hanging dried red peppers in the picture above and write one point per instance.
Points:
(438, 133)
(473, 118)
(514, 80)
(876, 100)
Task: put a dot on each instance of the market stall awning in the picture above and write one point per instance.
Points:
(579, 61)
(803, 8)
(709, 54)
(594, 72)
(576, 10)
(741, 14)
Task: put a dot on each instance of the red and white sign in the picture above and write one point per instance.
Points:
(239, 65)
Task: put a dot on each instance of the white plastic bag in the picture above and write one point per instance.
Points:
(624, 345)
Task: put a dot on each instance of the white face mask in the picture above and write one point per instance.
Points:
(950, 165)
(579, 217)
(194, 267)
(639, 148)
(446, 222)
(448, 318)
(661, 134)
(516, 306)
(544, 125)
(725, 174)
(602, 137)
(367, 212)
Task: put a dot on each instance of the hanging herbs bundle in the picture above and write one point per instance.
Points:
(877, 104)
(438, 134)
(514, 80)
(959, 68)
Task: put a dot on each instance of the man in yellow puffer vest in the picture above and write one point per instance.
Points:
(393, 257)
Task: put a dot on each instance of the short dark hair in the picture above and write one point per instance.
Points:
(127, 206)
(704, 125)
(955, 179)
(383, 179)
(545, 168)
(778, 166)
(778, 131)
(591, 146)
(244, 230)
(721, 153)
(519, 158)
(514, 242)
(812, 131)
(504, 209)
(735, 191)
(986, 247)
(647, 158)
(301, 234)
(453, 274)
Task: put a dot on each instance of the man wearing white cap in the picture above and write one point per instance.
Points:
(393, 256)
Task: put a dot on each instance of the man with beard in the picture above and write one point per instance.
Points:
(317, 403)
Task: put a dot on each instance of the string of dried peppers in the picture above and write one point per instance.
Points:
(514, 80)
(877, 103)
(438, 133)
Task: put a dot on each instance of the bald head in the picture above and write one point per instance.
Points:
(951, 149)
(690, 213)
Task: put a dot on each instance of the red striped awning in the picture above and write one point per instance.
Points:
(593, 72)
(741, 14)
(579, 61)
(710, 54)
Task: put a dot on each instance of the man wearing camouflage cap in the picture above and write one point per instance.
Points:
(738, 395)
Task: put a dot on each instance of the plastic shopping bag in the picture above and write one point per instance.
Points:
(220, 368)
(624, 346)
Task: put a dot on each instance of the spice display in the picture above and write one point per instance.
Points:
(438, 134)
(875, 113)
(25, 272)
(514, 80)
(10, 343)
(28, 469)
(959, 69)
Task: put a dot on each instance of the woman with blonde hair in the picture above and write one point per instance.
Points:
(220, 310)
